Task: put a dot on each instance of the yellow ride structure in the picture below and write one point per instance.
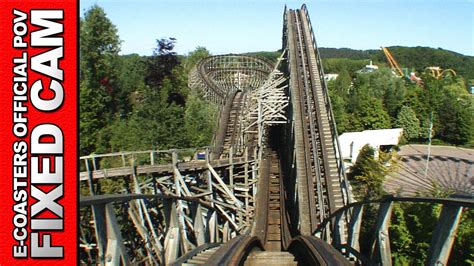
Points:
(398, 70)
(438, 73)
(393, 63)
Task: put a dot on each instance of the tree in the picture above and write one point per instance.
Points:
(342, 118)
(407, 120)
(342, 83)
(194, 57)
(456, 119)
(401, 238)
(393, 97)
(157, 119)
(372, 115)
(99, 47)
(200, 120)
(162, 63)
(368, 174)
(131, 77)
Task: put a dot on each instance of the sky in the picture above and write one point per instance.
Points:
(248, 26)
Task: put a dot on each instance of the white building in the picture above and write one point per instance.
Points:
(330, 76)
(352, 142)
(369, 68)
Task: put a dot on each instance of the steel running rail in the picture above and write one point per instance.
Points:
(346, 189)
(318, 162)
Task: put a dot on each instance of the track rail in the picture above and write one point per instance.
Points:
(320, 185)
(232, 128)
(271, 224)
(224, 121)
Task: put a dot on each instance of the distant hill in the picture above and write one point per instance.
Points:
(346, 53)
(417, 58)
(272, 56)
(411, 57)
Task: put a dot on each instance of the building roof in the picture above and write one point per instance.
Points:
(352, 142)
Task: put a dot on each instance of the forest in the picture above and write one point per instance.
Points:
(133, 102)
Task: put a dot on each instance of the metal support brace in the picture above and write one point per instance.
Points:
(381, 247)
(354, 227)
(98, 212)
(339, 226)
(444, 234)
(172, 238)
(115, 246)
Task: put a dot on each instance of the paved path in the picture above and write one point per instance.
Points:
(450, 169)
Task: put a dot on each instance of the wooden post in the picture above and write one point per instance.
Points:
(124, 163)
(209, 178)
(89, 178)
(179, 204)
(246, 181)
(198, 224)
(231, 169)
(174, 158)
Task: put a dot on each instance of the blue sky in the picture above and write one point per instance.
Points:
(245, 26)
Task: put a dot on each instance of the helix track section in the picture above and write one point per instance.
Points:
(216, 77)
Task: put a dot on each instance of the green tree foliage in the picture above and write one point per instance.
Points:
(367, 175)
(411, 230)
(270, 56)
(374, 101)
(134, 102)
(200, 120)
(165, 114)
(342, 83)
(162, 63)
(132, 69)
(346, 53)
(463, 248)
(456, 119)
(371, 115)
(338, 90)
(407, 120)
(401, 239)
(195, 56)
(338, 65)
(99, 47)
(342, 118)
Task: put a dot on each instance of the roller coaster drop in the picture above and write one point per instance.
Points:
(272, 188)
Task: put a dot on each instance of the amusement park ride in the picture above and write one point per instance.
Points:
(435, 71)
